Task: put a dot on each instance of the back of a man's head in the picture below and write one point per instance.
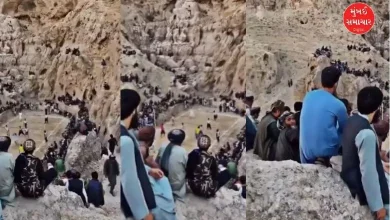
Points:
(298, 106)
(95, 175)
(130, 100)
(369, 100)
(330, 77)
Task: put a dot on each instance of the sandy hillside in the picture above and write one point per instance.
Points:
(282, 36)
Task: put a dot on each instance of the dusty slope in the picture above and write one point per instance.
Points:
(39, 32)
(282, 36)
(203, 39)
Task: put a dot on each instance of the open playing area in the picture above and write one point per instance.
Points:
(36, 127)
(228, 124)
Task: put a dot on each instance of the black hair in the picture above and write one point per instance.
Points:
(330, 76)
(130, 100)
(250, 99)
(242, 179)
(95, 175)
(298, 106)
(369, 100)
(287, 109)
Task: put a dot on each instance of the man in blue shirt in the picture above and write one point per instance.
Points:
(323, 117)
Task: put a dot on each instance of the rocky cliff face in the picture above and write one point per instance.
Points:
(288, 190)
(84, 155)
(37, 43)
(227, 204)
(203, 39)
(57, 203)
(283, 35)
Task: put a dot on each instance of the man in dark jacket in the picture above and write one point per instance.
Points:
(268, 132)
(287, 147)
(111, 171)
(112, 142)
(76, 185)
(362, 169)
(95, 191)
(30, 177)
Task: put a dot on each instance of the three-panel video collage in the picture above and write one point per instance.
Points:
(194, 110)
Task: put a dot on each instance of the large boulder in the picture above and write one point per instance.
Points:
(288, 190)
(57, 203)
(84, 154)
(227, 204)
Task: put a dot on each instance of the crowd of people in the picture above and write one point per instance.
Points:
(323, 51)
(325, 126)
(150, 187)
(363, 48)
(28, 176)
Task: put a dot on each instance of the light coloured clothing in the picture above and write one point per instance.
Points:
(7, 188)
(130, 182)
(177, 169)
(366, 141)
(164, 198)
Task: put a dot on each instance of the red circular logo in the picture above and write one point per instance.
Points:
(359, 18)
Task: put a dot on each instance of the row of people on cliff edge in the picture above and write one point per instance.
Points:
(325, 129)
(150, 187)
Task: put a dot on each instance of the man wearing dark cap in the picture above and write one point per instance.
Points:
(362, 169)
(323, 117)
(268, 133)
(137, 197)
(7, 189)
(172, 158)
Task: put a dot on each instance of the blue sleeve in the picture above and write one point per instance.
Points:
(366, 143)
(132, 189)
(342, 117)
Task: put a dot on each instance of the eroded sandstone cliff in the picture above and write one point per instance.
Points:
(39, 44)
(203, 39)
(283, 35)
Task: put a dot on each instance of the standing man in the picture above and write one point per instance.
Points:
(45, 136)
(137, 197)
(208, 124)
(46, 119)
(112, 143)
(323, 118)
(111, 171)
(267, 134)
(217, 135)
(25, 123)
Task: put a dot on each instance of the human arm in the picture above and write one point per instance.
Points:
(342, 116)
(105, 168)
(273, 131)
(191, 164)
(366, 143)
(214, 169)
(132, 189)
(40, 170)
(85, 194)
(292, 136)
(102, 193)
(158, 157)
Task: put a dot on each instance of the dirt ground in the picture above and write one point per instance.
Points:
(228, 124)
(36, 126)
